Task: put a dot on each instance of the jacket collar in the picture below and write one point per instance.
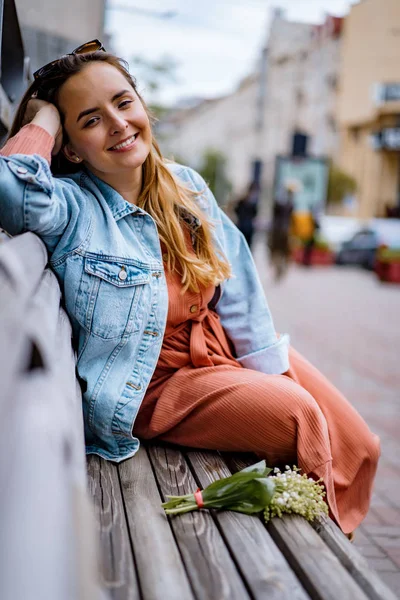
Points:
(118, 205)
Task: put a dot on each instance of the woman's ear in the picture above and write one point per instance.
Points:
(71, 155)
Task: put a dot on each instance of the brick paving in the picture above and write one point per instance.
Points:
(348, 324)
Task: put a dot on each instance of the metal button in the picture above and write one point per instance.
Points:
(193, 308)
(122, 274)
(22, 170)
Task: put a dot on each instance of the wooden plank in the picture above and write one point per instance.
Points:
(266, 571)
(63, 362)
(22, 261)
(354, 562)
(349, 556)
(36, 517)
(116, 560)
(47, 545)
(319, 570)
(160, 569)
(209, 566)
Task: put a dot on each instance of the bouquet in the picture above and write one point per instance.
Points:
(254, 490)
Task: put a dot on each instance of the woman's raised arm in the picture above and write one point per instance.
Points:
(30, 198)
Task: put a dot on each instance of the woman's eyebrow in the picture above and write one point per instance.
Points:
(88, 111)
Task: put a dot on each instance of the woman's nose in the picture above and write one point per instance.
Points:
(117, 124)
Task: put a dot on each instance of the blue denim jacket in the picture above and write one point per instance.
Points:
(106, 254)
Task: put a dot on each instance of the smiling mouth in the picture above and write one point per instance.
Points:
(125, 144)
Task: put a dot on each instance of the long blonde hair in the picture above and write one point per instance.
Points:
(163, 195)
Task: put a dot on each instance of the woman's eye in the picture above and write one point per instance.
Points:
(91, 121)
(124, 103)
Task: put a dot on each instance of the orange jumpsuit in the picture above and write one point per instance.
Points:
(200, 396)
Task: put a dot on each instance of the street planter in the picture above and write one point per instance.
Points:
(387, 264)
(319, 256)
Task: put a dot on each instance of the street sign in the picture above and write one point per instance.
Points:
(306, 177)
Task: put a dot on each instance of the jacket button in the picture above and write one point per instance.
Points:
(22, 170)
(122, 274)
(193, 308)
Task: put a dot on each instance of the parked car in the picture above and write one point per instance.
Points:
(360, 249)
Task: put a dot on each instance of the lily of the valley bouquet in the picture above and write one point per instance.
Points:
(254, 490)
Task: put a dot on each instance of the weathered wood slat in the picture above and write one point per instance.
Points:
(22, 261)
(159, 565)
(117, 564)
(314, 563)
(64, 366)
(208, 563)
(320, 571)
(267, 573)
(36, 517)
(47, 539)
(354, 562)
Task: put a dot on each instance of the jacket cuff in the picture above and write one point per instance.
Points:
(31, 139)
(273, 360)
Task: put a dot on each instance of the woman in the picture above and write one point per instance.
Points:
(173, 334)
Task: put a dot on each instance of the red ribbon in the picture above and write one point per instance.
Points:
(199, 498)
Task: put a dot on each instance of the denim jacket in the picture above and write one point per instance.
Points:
(106, 255)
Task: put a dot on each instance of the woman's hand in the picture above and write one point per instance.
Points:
(45, 115)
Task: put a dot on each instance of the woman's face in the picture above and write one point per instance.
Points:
(106, 123)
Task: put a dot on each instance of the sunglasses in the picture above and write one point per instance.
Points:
(92, 46)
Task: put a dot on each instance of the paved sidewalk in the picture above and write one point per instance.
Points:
(348, 324)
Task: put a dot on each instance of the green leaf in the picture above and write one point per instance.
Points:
(259, 467)
(248, 491)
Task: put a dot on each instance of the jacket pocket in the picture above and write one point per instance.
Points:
(108, 302)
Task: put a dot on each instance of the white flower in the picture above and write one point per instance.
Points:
(295, 493)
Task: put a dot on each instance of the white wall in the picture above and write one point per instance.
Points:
(77, 20)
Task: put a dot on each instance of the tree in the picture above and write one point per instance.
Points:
(151, 75)
(213, 170)
(340, 185)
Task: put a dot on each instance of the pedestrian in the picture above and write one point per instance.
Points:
(246, 212)
(173, 334)
(310, 241)
(278, 235)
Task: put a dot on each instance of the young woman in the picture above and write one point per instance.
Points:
(173, 334)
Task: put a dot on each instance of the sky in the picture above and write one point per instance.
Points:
(214, 43)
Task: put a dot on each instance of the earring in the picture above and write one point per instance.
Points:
(77, 158)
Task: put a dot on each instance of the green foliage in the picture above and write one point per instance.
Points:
(152, 74)
(158, 110)
(213, 170)
(253, 490)
(340, 184)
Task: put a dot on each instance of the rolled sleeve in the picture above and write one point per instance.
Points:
(272, 360)
(32, 200)
(33, 170)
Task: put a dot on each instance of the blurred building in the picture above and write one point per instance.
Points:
(50, 28)
(294, 89)
(301, 95)
(225, 124)
(369, 104)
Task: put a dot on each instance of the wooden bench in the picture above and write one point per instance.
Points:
(48, 538)
(213, 555)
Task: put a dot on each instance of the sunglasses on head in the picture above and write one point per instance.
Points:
(92, 46)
